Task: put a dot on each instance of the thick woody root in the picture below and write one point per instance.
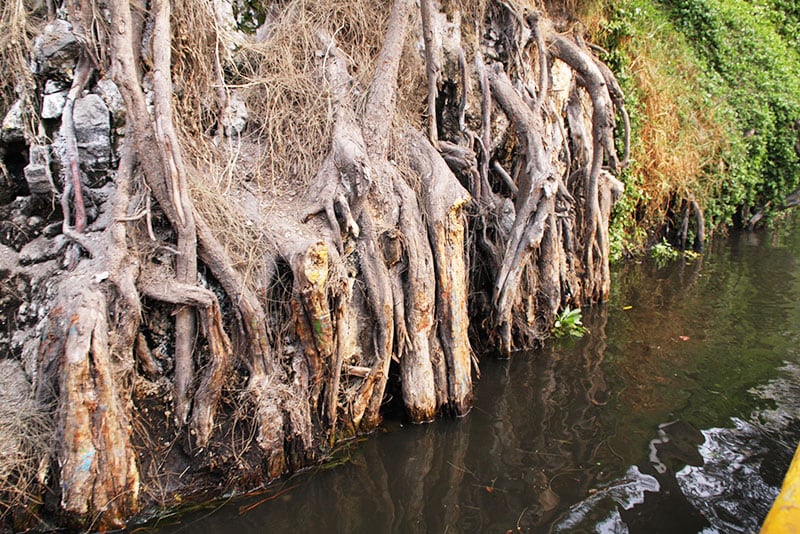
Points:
(99, 475)
(443, 200)
(307, 404)
(177, 186)
(401, 281)
(594, 81)
(374, 131)
(396, 265)
(417, 280)
(535, 205)
(265, 372)
(312, 313)
(344, 181)
(70, 160)
(551, 250)
(414, 278)
(375, 273)
(164, 171)
(209, 390)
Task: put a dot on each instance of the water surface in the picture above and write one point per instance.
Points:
(678, 413)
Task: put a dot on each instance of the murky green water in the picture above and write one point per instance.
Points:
(680, 412)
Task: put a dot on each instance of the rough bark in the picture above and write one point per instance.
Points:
(98, 465)
(443, 200)
(177, 185)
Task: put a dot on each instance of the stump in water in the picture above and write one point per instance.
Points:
(293, 291)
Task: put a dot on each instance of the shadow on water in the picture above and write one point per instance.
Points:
(678, 413)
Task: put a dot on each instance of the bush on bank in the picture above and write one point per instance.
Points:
(714, 92)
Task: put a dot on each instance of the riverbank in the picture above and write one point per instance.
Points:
(677, 412)
(226, 263)
(712, 87)
(222, 255)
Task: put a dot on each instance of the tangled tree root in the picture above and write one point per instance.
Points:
(405, 233)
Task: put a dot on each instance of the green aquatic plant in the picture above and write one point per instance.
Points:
(663, 253)
(568, 323)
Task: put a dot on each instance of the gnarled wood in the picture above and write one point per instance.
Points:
(500, 210)
(417, 277)
(176, 184)
(98, 465)
(534, 205)
(602, 145)
(443, 200)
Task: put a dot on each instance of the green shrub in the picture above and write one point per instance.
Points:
(713, 89)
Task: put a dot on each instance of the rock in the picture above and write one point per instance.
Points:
(13, 129)
(35, 222)
(37, 172)
(37, 275)
(234, 119)
(55, 95)
(109, 92)
(92, 130)
(55, 50)
(52, 230)
(54, 86)
(18, 219)
(9, 259)
(53, 104)
(42, 249)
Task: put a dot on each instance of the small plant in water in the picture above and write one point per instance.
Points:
(664, 253)
(568, 323)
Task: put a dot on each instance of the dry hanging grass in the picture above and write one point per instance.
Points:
(26, 440)
(683, 132)
(276, 71)
(679, 139)
(16, 29)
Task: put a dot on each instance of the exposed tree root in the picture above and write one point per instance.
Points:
(443, 200)
(98, 465)
(71, 164)
(500, 210)
(416, 280)
(99, 474)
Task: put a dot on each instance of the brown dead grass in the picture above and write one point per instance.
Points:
(681, 135)
(17, 26)
(679, 139)
(277, 72)
(26, 439)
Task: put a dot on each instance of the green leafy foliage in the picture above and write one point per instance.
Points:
(663, 253)
(713, 90)
(752, 46)
(568, 323)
